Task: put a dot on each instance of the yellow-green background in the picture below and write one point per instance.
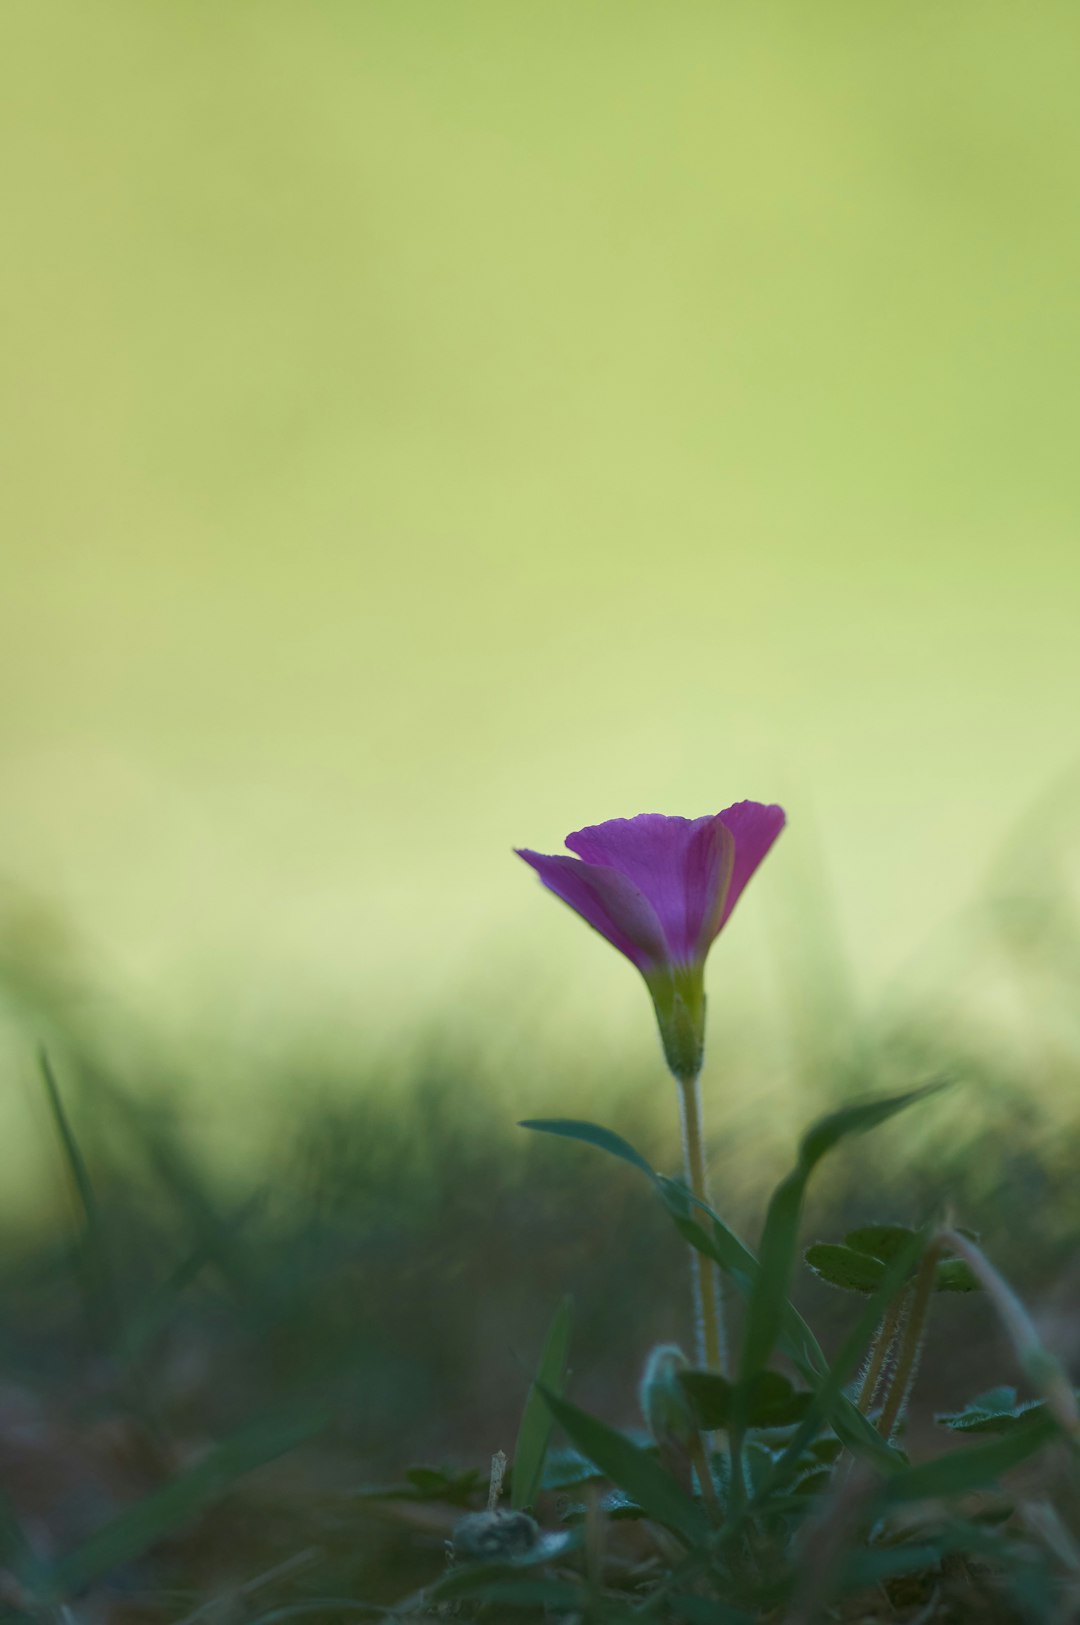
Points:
(430, 426)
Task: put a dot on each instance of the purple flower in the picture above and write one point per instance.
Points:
(660, 890)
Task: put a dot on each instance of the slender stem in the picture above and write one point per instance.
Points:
(699, 1455)
(879, 1349)
(707, 1304)
(907, 1360)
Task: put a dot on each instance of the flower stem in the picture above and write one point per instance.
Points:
(879, 1350)
(708, 1309)
(907, 1359)
(700, 1458)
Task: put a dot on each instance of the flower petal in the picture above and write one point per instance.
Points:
(755, 827)
(682, 865)
(609, 901)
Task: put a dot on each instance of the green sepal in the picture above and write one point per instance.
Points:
(678, 997)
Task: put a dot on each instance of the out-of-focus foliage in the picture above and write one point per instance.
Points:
(375, 1275)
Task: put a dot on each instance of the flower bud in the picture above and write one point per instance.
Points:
(665, 1404)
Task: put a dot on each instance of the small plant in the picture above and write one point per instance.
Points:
(755, 1493)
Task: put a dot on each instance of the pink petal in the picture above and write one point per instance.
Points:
(755, 827)
(682, 865)
(609, 901)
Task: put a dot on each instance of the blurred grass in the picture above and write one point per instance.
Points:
(386, 1249)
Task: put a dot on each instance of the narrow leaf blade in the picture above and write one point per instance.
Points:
(175, 1504)
(536, 1419)
(973, 1468)
(780, 1236)
(605, 1139)
(632, 1469)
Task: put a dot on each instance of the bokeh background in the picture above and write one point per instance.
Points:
(428, 428)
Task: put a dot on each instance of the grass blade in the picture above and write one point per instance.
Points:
(632, 1469)
(591, 1134)
(536, 1419)
(141, 1526)
(973, 1467)
(780, 1237)
(95, 1270)
(795, 1337)
(861, 1437)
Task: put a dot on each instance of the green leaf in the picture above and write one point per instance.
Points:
(962, 1471)
(858, 1117)
(614, 1504)
(796, 1339)
(711, 1396)
(995, 1399)
(844, 1267)
(92, 1252)
(591, 1134)
(881, 1241)
(633, 1469)
(830, 1403)
(826, 1449)
(773, 1401)
(779, 1239)
(992, 1417)
(177, 1503)
(884, 1241)
(955, 1275)
(723, 1245)
(536, 1422)
(734, 1257)
(565, 1469)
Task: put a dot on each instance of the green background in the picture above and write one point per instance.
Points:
(430, 427)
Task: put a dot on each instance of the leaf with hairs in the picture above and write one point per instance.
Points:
(830, 1403)
(844, 1267)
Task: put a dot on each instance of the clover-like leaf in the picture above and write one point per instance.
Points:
(882, 1241)
(772, 1401)
(842, 1266)
(997, 1411)
(856, 1265)
(565, 1469)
